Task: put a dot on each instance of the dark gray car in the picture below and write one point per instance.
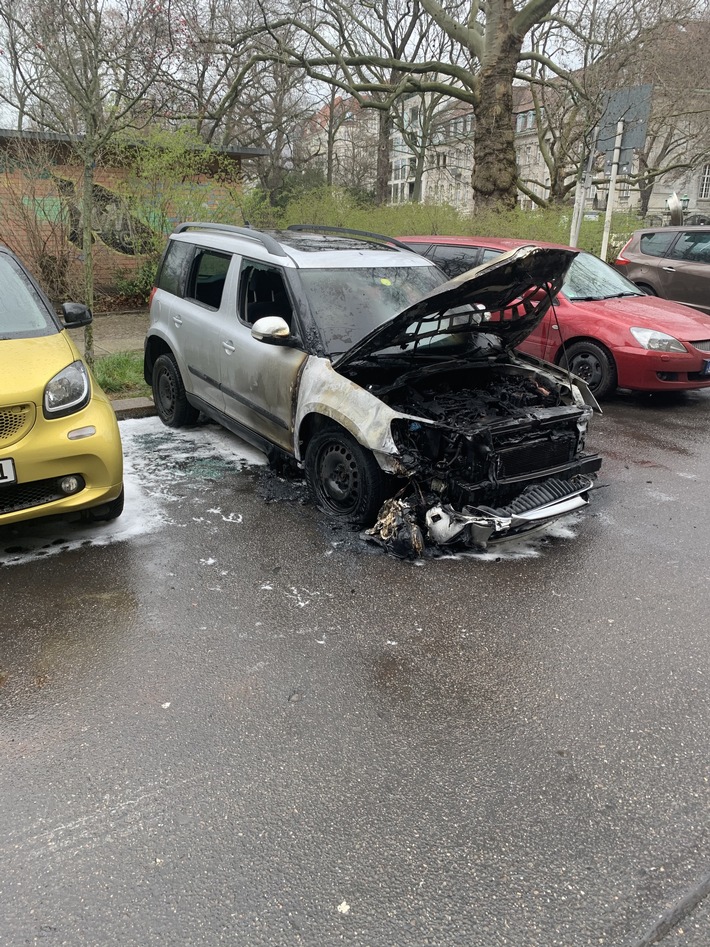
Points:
(670, 262)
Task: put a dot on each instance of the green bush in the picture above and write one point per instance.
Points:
(335, 207)
(138, 285)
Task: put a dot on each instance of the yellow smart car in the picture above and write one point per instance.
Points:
(60, 448)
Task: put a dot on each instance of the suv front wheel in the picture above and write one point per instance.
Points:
(344, 478)
(169, 394)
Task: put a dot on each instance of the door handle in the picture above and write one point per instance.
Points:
(669, 269)
(228, 346)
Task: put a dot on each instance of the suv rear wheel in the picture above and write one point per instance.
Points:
(344, 478)
(169, 394)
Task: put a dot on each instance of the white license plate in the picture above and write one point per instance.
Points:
(7, 472)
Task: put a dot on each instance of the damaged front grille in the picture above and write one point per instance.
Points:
(485, 440)
(535, 455)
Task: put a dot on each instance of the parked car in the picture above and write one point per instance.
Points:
(671, 262)
(60, 448)
(359, 360)
(601, 326)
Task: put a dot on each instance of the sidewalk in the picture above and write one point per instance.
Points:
(119, 332)
(115, 332)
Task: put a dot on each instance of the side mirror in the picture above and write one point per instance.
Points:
(75, 315)
(272, 329)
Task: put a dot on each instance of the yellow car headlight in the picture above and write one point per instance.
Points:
(68, 391)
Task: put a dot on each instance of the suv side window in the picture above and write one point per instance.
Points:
(693, 247)
(207, 278)
(656, 244)
(262, 292)
(175, 267)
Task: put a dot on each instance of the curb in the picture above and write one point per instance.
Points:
(126, 408)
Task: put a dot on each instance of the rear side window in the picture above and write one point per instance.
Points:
(657, 244)
(456, 260)
(175, 267)
(207, 277)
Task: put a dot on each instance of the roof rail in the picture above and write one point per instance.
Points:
(318, 228)
(265, 239)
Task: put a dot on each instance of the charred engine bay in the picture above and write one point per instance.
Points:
(494, 430)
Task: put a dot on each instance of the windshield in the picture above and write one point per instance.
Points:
(22, 314)
(347, 304)
(590, 278)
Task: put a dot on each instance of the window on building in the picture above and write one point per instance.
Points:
(704, 192)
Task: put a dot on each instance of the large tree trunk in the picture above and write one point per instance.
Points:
(494, 171)
(383, 158)
(418, 175)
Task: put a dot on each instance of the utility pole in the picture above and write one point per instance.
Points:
(612, 189)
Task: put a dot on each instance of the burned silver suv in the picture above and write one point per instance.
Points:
(397, 391)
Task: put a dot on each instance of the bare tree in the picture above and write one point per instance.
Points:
(589, 49)
(36, 222)
(382, 50)
(83, 69)
(230, 89)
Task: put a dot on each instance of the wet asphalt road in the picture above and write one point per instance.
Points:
(245, 728)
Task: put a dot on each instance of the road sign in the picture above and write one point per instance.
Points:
(632, 106)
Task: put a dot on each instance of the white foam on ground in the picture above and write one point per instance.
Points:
(154, 459)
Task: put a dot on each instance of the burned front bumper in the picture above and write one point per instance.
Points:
(408, 526)
(536, 506)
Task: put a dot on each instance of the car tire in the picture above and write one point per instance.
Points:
(594, 364)
(344, 478)
(107, 511)
(646, 289)
(169, 396)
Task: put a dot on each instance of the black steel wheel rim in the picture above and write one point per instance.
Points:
(338, 477)
(588, 367)
(166, 392)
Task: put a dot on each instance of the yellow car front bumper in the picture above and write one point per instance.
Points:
(86, 444)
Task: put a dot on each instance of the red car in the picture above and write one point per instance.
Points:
(602, 326)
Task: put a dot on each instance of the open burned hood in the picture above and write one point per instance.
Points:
(506, 297)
